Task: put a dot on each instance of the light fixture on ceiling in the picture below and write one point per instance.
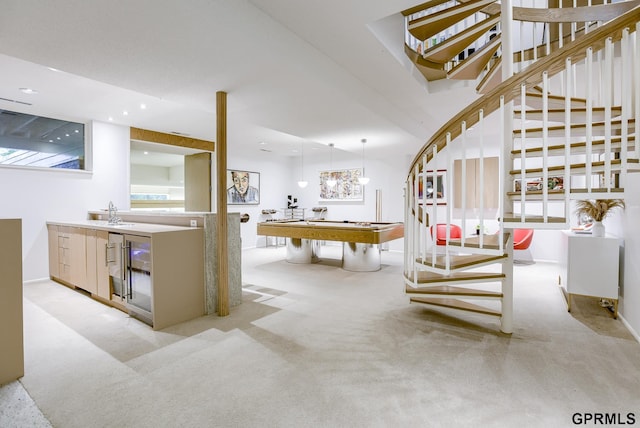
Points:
(302, 183)
(331, 182)
(363, 180)
(28, 91)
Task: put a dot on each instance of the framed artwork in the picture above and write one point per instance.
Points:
(243, 187)
(428, 193)
(347, 187)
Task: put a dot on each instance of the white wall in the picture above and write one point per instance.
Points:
(279, 177)
(625, 225)
(38, 195)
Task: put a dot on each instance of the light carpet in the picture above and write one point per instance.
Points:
(316, 346)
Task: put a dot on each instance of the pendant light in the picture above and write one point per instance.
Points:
(363, 180)
(331, 182)
(302, 183)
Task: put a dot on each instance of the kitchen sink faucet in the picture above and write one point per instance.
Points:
(113, 214)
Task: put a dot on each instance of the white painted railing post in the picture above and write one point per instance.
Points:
(506, 38)
(566, 184)
(589, 118)
(506, 321)
(545, 146)
(523, 157)
(501, 174)
(481, 177)
(608, 95)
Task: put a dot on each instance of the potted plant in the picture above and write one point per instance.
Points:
(598, 210)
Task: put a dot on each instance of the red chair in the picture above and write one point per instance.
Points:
(455, 232)
(522, 238)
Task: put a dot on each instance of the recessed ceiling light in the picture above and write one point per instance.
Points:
(125, 113)
(143, 106)
(29, 91)
(146, 153)
(262, 143)
(110, 119)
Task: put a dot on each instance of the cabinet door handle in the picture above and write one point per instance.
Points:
(108, 247)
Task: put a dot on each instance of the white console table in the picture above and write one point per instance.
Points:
(591, 267)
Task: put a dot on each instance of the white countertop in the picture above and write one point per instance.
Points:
(145, 229)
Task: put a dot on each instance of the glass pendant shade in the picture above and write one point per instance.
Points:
(331, 182)
(302, 183)
(363, 180)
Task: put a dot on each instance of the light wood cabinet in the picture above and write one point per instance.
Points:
(471, 184)
(92, 260)
(11, 331)
(170, 289)
(69, 244)
(54, 268)
(102, 266)
(97, 267)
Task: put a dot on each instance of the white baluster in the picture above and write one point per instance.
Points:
(589, 118)
(523, 136)
(545, 146)
(608, 95)
(567, 137)
(481, 176)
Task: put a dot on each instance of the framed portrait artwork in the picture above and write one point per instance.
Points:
(433, 193)
(243, 187)
(347, 187)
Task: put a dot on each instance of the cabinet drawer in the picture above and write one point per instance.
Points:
(65, 271)
(64, 256)
(64, 241)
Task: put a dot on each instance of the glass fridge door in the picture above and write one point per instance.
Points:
(139, 295)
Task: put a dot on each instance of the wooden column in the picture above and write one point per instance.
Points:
(221, 195)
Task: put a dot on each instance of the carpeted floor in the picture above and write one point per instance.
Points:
(316, 346)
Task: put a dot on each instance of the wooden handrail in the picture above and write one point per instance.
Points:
(602, 12)
(532, 76)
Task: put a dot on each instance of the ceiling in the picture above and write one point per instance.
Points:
(296, 73)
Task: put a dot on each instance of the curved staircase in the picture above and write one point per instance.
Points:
(462, 39)
(562, 127)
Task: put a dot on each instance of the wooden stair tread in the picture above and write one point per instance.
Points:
(430, 25)
(447, 290)
(488, 241)
(472, 66)
(559, 193)
(426, 277)
(576, 129)
(451, 47)
(515, 218)
(616, 164)
(558, 114)
(460, 261)
(534, 100)
(430, 70)
(456, 304)
(492, 78)
(577, 148)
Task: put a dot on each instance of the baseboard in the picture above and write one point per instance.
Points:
(631, 330)
(32, 281)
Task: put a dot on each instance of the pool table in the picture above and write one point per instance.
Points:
(361, 240)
